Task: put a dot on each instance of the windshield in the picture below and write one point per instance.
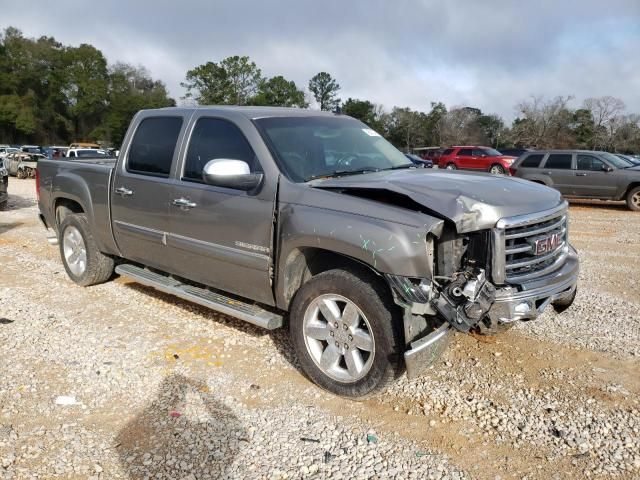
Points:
(311, 147)
(616, 161)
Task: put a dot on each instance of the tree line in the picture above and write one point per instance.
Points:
(52, 93)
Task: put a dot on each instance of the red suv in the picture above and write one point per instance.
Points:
(475, 158)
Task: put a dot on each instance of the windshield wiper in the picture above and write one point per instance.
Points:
(342, 173)
(404, 165)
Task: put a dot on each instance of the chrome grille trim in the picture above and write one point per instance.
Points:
(513, 259)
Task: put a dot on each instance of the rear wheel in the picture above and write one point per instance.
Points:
(496, 169)
(633, 199)
(451, 166)
(84, 262)
(346, 332)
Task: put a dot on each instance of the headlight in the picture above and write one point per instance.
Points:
(509, 161)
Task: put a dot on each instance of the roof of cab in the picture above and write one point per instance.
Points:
(253, 112)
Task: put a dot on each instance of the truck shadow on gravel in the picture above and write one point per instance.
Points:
(280, 337)
(5, 227)
(184, 433)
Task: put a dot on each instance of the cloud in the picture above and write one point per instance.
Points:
(485, 54)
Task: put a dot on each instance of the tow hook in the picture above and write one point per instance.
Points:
(466, 299)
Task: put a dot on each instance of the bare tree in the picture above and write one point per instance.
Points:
(605, 112)
(460, 126)
(542, 123)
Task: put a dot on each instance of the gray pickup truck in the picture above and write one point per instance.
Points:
(311, 219)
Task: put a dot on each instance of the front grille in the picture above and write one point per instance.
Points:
(530, 246)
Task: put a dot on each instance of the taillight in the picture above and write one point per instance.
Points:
(38, 184)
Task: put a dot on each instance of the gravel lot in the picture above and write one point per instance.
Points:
(158, 388)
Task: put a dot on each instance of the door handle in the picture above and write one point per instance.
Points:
(581, 174)
(124, 191)
(184, 203)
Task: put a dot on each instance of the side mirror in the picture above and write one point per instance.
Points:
(227, 173)
(607, 168)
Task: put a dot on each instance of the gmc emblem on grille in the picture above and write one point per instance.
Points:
(546, 244)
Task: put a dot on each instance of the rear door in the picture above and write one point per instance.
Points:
(222, 237)
(558, 168)
(142, 188)
(591, 178)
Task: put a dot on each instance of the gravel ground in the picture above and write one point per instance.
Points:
(158, 388)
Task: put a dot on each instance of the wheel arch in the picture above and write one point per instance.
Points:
(303, 263)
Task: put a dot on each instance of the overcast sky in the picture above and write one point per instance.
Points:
(486, 54)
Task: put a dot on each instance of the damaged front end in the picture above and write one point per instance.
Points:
(457, 297)
(486, 279)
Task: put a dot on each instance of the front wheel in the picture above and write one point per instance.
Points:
(497, 169)
(84, 262)
(451, 166)
(346, 332)
(633, 199)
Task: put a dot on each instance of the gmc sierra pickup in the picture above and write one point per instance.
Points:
(311, 219)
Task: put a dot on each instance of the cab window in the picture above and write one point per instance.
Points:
(215, 138)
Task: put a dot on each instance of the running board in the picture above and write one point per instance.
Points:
(202, 296)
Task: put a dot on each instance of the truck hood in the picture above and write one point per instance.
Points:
(472, 201)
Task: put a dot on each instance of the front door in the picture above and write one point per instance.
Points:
(591, 178)
(221, 236)
(141, 191)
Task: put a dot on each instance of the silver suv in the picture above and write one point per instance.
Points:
(582, 174)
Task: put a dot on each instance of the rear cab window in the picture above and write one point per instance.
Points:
(153, 146)
(558, 161)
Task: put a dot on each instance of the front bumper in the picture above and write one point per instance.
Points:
(513, 305)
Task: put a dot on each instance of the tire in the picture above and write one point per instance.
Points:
(633, 199)
(84, 262)
(496, 169)
(451, 166)
(313, 337)
(3, 206)
(487, 327)
(561, 305)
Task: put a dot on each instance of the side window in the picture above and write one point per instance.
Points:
(154, 142)
(214, 138)
(560, 161)
(589, 162)
(448, 151)
(532, 161)
(466, 152)
(478, 152)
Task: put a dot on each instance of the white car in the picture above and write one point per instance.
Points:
(86, 152)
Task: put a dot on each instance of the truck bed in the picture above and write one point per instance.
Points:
(86, 181)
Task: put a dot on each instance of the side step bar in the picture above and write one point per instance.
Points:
(215, 301)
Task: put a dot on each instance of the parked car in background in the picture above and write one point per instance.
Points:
(475, 158)
(583, 174)
(429, 153)
(55, 151)
(94, 146)
(630, 158)
(6, 149)
(86, 152)
(419, 160)
(4, 187)
(31, 149)
(515, 152)
(23, 165)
